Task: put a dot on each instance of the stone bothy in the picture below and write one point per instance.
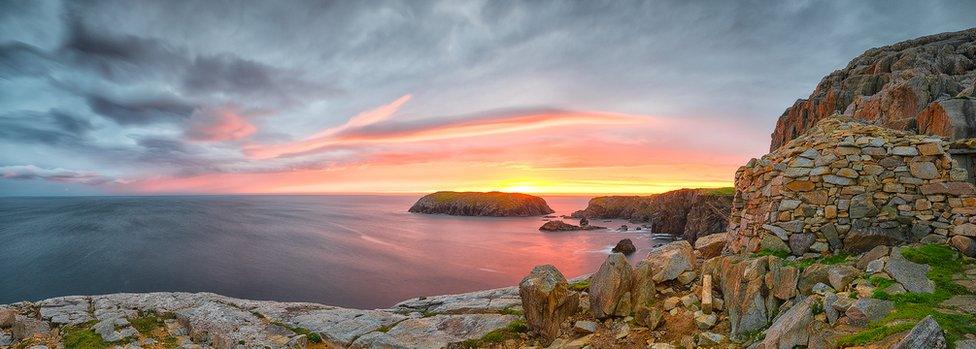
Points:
(849, 186)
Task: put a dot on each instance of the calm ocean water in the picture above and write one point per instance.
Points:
(356, 251)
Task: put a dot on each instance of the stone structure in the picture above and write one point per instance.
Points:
(924, 85)
(844, 185)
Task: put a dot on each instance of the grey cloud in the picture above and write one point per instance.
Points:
(140, 110)
(53, 127)
(53, 174)
(21, 59)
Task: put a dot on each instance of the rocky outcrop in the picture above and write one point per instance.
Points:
(563, 226)
(624, 246)
(689, 213)
(494, 204)
(547, 301)
(849, 186)
(924, 85)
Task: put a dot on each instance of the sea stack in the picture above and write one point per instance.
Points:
(492, 204)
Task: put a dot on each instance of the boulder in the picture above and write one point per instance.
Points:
(910, 274)
(7, 316)
(841, 275)
(925, 335)
(771, 242)
(608, 286)
(646, 311)
(585, 327)
(812, 275)
(965, 245)
(558, 226)
(26, 327)
(791, 329)
(711, 245)
(625, 246)
(867, 310)
(873, 254)
(547, 300)
(862, 240)
(671, 260)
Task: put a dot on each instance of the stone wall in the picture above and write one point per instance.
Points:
(848, 186)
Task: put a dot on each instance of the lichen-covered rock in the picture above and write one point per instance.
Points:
(867, 310)
(670, 260)
(792, 329)
(711, 245)
(547, 300)
(608, 287)
(925, 335)
(481, 204)
(439, 331)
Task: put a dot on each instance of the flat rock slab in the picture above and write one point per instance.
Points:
(966, 303)
(910, 274)
(435, 332)
(487, 301)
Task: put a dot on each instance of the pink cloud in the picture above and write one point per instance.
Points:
(218, 125)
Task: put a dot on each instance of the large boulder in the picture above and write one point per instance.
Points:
(925, 335)
(608, 287)
(671, 260)
(964, 244)
(841, 275)
(910, 274)
(711, 245)
(812, 275)
(547, 300)
(646, 310)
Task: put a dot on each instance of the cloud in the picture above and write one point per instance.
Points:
(53, 174)
(140, 110)
(52, 127)
(369, 128)
(218, 125)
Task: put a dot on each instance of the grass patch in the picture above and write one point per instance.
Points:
(725, 191)
(772, 252)
(881, 282)
(83, 337)
(580, 285)
(147, 324)
(511, 311)
(911, 307)
(497, 336)
(312, 336)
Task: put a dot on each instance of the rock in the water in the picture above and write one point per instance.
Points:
(625, 246)
(547, 300)
(558, 226)
(965, 245)
(482, 204)
(690, 213)
(711, 245)
(609, 285)
(925, 335)
(910, 274)
(867, 310)
(671, 260)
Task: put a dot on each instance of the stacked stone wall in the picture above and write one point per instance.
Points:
(848, 186)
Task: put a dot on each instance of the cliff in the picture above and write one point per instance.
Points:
(689, 213)
(924, 85)
(496, 204)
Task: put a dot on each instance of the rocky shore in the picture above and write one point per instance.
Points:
(686, 213)
(494, 204)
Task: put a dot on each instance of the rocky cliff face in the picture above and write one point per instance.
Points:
(924, 85)
(689, 213)
(496, 204)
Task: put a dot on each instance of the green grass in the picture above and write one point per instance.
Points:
(312, 336)
(511, 311)
(911, 307)
(881, 282)
(725, 191)
(147, 324)
(772, 252)
(580, 285)
(497, 336)
(83, 337)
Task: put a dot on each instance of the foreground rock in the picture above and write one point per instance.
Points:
(689, 213)
(496, 204)
(926, 334)
(610, 288)
(547, 301)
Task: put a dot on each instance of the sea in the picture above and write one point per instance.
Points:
(362, 251)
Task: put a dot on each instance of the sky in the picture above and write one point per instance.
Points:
(598, 97)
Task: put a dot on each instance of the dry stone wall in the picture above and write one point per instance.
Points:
(848, 186)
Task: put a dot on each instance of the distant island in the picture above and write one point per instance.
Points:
(492, 204)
